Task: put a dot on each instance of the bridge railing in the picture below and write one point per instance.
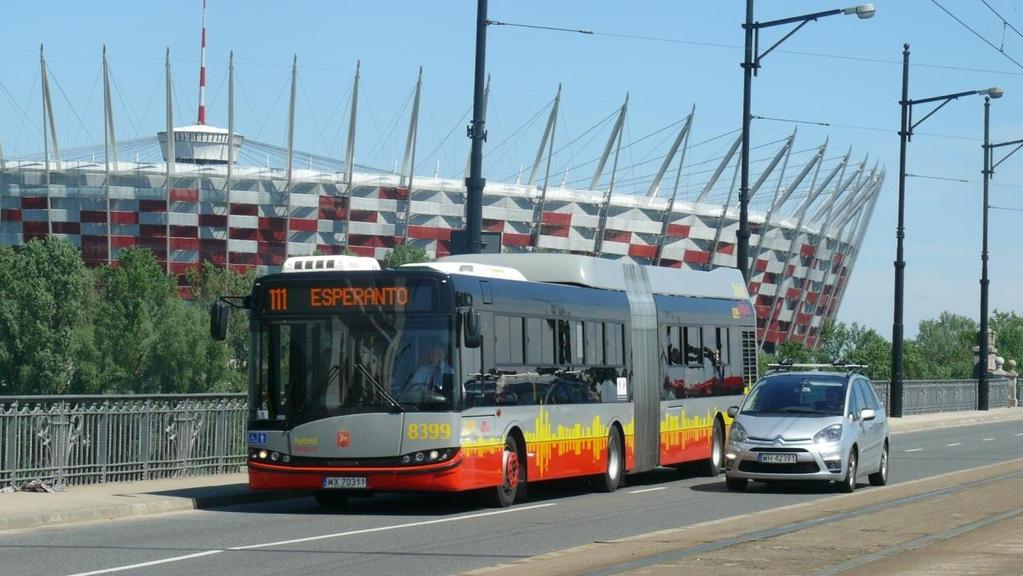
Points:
(66, 440)
(931, 396)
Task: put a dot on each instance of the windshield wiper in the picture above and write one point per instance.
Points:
(334, 370)
(379, 387)
(799, 410)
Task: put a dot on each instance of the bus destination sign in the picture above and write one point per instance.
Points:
(375, 296)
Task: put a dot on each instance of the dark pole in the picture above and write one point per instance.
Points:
(982, 383)
(900, 234)
(742, 236)
(477, 133)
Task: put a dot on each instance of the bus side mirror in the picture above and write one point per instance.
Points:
(219, 314)
(471, 324)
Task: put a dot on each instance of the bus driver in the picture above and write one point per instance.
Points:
(430, 375)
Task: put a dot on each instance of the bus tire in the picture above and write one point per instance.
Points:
(331, 500)
(712, 465)
(612, 476)
(512, 475)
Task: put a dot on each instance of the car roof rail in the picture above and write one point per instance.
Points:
(789, 366)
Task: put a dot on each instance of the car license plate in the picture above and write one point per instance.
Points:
(776, 458)
(344, 482)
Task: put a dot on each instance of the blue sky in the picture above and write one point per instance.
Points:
(668, 55)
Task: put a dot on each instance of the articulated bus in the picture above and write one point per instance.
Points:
(487, 372)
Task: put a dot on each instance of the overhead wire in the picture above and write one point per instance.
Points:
(977, 34)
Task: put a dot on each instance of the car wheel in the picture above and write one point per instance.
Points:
(512, 476)
(849, 483)
(331, 500)
(612, 477)
(880, 478)
(712, 465)
(736, 484)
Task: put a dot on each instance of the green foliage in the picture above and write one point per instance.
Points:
(209, 282)
(1008, 327)
(43, 296)
(405, 254)
(947, 345)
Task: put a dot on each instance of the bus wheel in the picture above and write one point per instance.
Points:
(512, 475)
(612, 476)
(712, 465)
(331, 500)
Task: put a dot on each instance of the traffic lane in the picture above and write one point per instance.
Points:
(652, 501)
(928, 453)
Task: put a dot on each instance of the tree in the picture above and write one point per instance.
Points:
(947, 345)
(132, 296)
(44, 292)
(208, 283)
(1008, 327)
(405, 254)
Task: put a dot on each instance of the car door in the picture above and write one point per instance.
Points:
(871, 430)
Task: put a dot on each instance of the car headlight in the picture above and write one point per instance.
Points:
(737, 433)
(828, 435)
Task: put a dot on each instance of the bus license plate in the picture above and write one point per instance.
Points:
(344, 482)
(776, 458)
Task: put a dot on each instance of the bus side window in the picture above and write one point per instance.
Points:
(502, 335)
(577, 336)
(723, 348)
(693, 336)
(590, 342)
(533, 343)
(548, 341)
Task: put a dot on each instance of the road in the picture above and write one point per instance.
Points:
(413, 534)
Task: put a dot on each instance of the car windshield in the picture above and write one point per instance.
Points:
(798, 394)
(333, 365)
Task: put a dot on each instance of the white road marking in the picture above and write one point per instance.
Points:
(647, 490)
(955, 444)
(987, 439)
(913, 450)
(312, 538)
(145, 564)
(1020, 434)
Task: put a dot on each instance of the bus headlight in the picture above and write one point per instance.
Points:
(428, 456)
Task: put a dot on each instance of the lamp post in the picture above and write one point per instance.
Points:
(750, 65)
(478, 134)
(906, 135)
(983, 396)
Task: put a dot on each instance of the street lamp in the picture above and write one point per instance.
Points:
(750, 66)
(905, 135)
(983, 398)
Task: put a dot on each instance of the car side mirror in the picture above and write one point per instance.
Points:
(733, 411)
(867, 414)
(219, 314)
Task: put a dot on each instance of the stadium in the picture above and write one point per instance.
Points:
(241, 203)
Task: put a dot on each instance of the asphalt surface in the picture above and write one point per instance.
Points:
(419, 534)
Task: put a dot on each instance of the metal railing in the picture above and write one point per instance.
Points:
(64, 440)
(931, 396)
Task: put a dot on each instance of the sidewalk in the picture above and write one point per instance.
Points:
(22, 510)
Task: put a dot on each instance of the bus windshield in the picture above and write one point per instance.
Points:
(332, 365)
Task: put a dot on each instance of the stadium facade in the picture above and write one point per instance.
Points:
(215, 201)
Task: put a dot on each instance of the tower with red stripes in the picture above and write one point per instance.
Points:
(202, 70)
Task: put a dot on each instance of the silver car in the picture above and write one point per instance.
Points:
(813, 425)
